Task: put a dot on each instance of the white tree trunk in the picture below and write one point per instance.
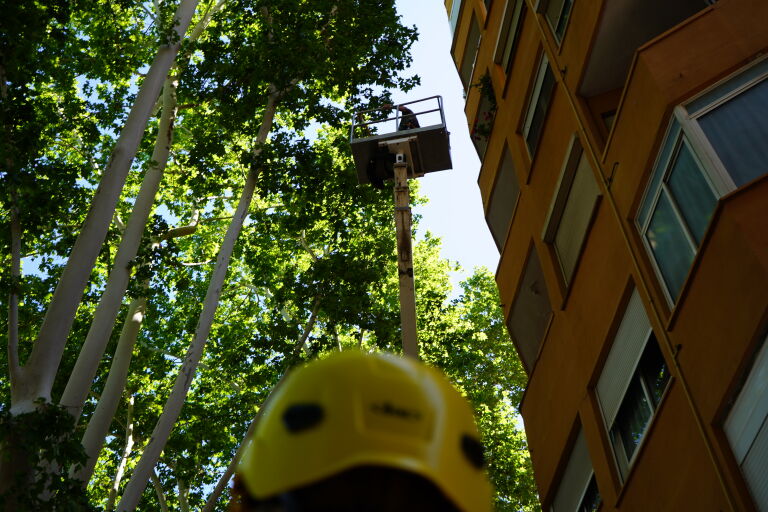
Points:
(38, 374)
(81, 378)
(124, 459)
(175, 401)
(98, 426)
(159, 491)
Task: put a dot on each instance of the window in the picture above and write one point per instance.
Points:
(746, 428)
(571, 210)
(453, 20)
(714, 144)
(503, 200)
(509, 33)
(531, 311)
(486, 115)
(538, 105)
(557, 13)
(577, 491)
(470, 53)
(631, 384)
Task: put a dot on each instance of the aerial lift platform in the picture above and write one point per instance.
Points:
(397, 148)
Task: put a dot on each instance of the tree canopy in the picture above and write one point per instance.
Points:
(181, 224)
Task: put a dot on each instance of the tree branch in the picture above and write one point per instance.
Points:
(158, 490)
(307, 328)
(124, 458)
(305, 245)
(210, 503)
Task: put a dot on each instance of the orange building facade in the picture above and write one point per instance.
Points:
(624, 150)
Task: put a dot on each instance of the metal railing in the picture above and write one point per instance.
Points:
(377, 127)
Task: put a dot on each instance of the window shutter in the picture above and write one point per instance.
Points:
(747, 429)
(755, 468)
(622, 359)
(576, 216)
(575, 477)
(531, 311)
(503, 200)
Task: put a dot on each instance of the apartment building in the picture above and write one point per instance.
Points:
(624, 150)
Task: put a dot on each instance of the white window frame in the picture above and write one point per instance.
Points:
(683, 128)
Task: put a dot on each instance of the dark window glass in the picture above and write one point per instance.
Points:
(558, 12)
(671, 249)
(633, 416)
(591, 500)
(653, 370)
(642, 397)
(693, 195)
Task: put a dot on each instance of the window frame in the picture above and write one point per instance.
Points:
(683, 128)
(634, 325)
(473, 23)
(454, 16)
(557, 207)
(542, 70)
(567, 8)
(620, 454)
(511, 26)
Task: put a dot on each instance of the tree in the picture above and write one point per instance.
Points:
(305, 266)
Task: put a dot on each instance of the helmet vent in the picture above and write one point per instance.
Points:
(300, 417)
(473, 451)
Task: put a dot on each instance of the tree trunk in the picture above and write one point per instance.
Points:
(14, 367)
(81, 378)
(124, 458)
(183, 487)
(13, 295)
(159, 491)
(98, 426)
(175, 401)
(38, 375)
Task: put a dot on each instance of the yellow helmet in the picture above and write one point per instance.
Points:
(359, 410)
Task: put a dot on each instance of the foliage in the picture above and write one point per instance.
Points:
(314, 268)
(41, 438)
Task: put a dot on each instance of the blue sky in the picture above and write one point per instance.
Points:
(455, 211)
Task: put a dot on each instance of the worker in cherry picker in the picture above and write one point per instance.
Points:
(363, 432)
(408, 120)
